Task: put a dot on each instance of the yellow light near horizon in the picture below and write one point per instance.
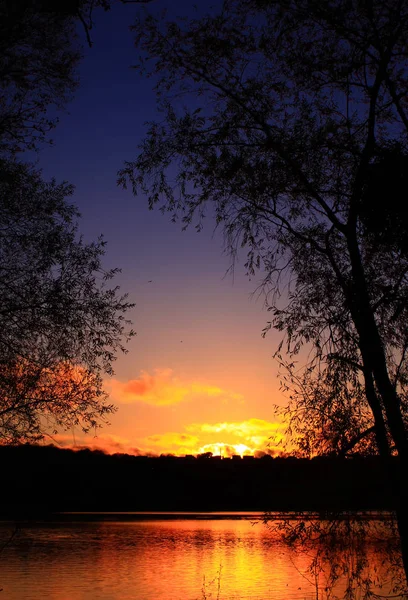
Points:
(226, 450)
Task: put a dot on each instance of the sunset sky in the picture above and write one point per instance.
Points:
(198, 375)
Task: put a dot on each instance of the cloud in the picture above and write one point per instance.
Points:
(162, 388)
(169, 440)
(250, 428)
(251, 437)
(178, 444)
(111, 444)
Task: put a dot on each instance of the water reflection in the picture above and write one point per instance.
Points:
(160, 560)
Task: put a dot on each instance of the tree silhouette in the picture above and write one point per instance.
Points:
(281, 119)
(39, 53)
(40, 48)
(61, 324)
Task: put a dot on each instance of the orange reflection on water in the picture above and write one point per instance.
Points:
(191, 559)
(157, 560)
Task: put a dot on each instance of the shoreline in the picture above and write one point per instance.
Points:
(131, 516)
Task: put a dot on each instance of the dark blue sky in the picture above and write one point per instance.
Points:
(191, 321)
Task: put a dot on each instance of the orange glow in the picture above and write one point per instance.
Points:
(161, 412)
(162, 388)
(239, 563)
(225, 439)
(109, 443)
(227, 450)
(178, 443)
(256, 432)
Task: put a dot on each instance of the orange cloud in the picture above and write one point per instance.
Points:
(250, 437)
(169, 440)
(256, 428)
(162, 388)
(254, 436)
(111, 444)
(178, 444)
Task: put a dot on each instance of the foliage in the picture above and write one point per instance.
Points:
(351, 555)
(323, 415)
(40, 48)
(61, 324)
(39, 52)
(280, 130)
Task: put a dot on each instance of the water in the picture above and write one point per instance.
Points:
(154, 559)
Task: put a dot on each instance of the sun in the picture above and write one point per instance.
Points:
(226, 450)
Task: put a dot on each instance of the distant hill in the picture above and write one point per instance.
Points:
(37, 480)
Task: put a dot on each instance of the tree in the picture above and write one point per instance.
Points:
(61, 324)
(40, 48)
(39, 53)
(281, 117)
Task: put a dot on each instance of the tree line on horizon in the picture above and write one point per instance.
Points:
(89, 480)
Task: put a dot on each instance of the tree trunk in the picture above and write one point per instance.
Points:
(375, 362)
(402, 514)
(379, 423)
(372, 348)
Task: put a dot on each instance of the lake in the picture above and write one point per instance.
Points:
(157, 558)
